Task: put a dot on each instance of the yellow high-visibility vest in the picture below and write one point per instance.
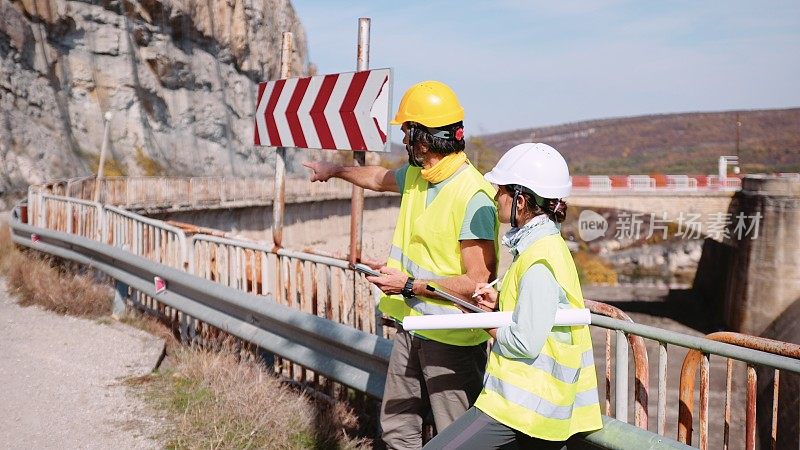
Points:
(426, 246)
(554, 395)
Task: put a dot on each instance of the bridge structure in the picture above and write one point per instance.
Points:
(318, 316)
(181, 193)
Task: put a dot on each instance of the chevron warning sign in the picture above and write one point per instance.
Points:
(340, 111)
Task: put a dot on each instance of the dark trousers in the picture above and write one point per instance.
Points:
(478, 431)
(427, 376)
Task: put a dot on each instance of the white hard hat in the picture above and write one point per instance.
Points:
(538, 167)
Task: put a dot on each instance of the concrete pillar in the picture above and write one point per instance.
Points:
(763, 292)
(765, 272)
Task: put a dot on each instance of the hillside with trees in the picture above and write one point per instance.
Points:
(769, 141)
(686, 143)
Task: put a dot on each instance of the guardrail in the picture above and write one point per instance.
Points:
(681, 183)
(313, 342)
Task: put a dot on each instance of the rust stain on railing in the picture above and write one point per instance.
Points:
(687, 383)
(641, 367)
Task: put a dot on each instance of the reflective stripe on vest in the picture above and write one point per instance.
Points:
(410, 267)
(553, 395)
(427, 307)
(547, 364)
(533, 402)
(425, 245)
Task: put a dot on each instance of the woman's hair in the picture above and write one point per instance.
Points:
(555, 208)
(439, 145)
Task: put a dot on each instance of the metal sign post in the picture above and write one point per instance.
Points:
(359, 158)
(280, 156)
(338, 111)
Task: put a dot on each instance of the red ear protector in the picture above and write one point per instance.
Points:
(454, 135)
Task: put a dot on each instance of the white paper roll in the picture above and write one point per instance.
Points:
(564, 317)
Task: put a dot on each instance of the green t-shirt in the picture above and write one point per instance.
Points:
(479, 219)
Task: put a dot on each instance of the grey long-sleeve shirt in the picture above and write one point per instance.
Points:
(539, 298)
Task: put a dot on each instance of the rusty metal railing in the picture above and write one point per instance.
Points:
(641, 369)
(152, 239)
(687, 384)
(737, 349)
(72, 216)
(320, 285)
(353, 358)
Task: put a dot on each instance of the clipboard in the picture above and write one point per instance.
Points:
(454, 299)
(365, 269)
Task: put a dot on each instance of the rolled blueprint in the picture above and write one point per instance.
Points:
(564, 317)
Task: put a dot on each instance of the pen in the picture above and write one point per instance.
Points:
(488, 285)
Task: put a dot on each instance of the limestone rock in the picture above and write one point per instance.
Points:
(179, 77)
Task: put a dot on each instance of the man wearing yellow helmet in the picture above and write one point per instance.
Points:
(446, 235)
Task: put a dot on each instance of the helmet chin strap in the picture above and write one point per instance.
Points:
(514, 208)
(412, 157)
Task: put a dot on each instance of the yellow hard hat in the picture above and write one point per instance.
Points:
(431, 103)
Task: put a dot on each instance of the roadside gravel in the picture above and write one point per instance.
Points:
(61, 381)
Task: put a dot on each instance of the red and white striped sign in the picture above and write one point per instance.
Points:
(340, 111)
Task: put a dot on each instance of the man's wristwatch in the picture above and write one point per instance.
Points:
(408, 289)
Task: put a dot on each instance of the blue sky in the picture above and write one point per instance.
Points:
(518, 64)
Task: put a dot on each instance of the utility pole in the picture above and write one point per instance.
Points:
(738, 126)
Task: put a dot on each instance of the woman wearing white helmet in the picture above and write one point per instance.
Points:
(540, 386)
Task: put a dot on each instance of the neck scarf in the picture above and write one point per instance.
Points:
(515, 235)
(444, 168)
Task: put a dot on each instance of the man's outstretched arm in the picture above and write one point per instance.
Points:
(374, 178)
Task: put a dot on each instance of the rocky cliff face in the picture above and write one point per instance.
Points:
(179, 78)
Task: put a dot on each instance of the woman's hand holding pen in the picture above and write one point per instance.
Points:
(486, 297)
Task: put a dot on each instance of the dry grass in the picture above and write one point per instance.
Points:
(40, 280)
(217, 401)
(7, 248)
